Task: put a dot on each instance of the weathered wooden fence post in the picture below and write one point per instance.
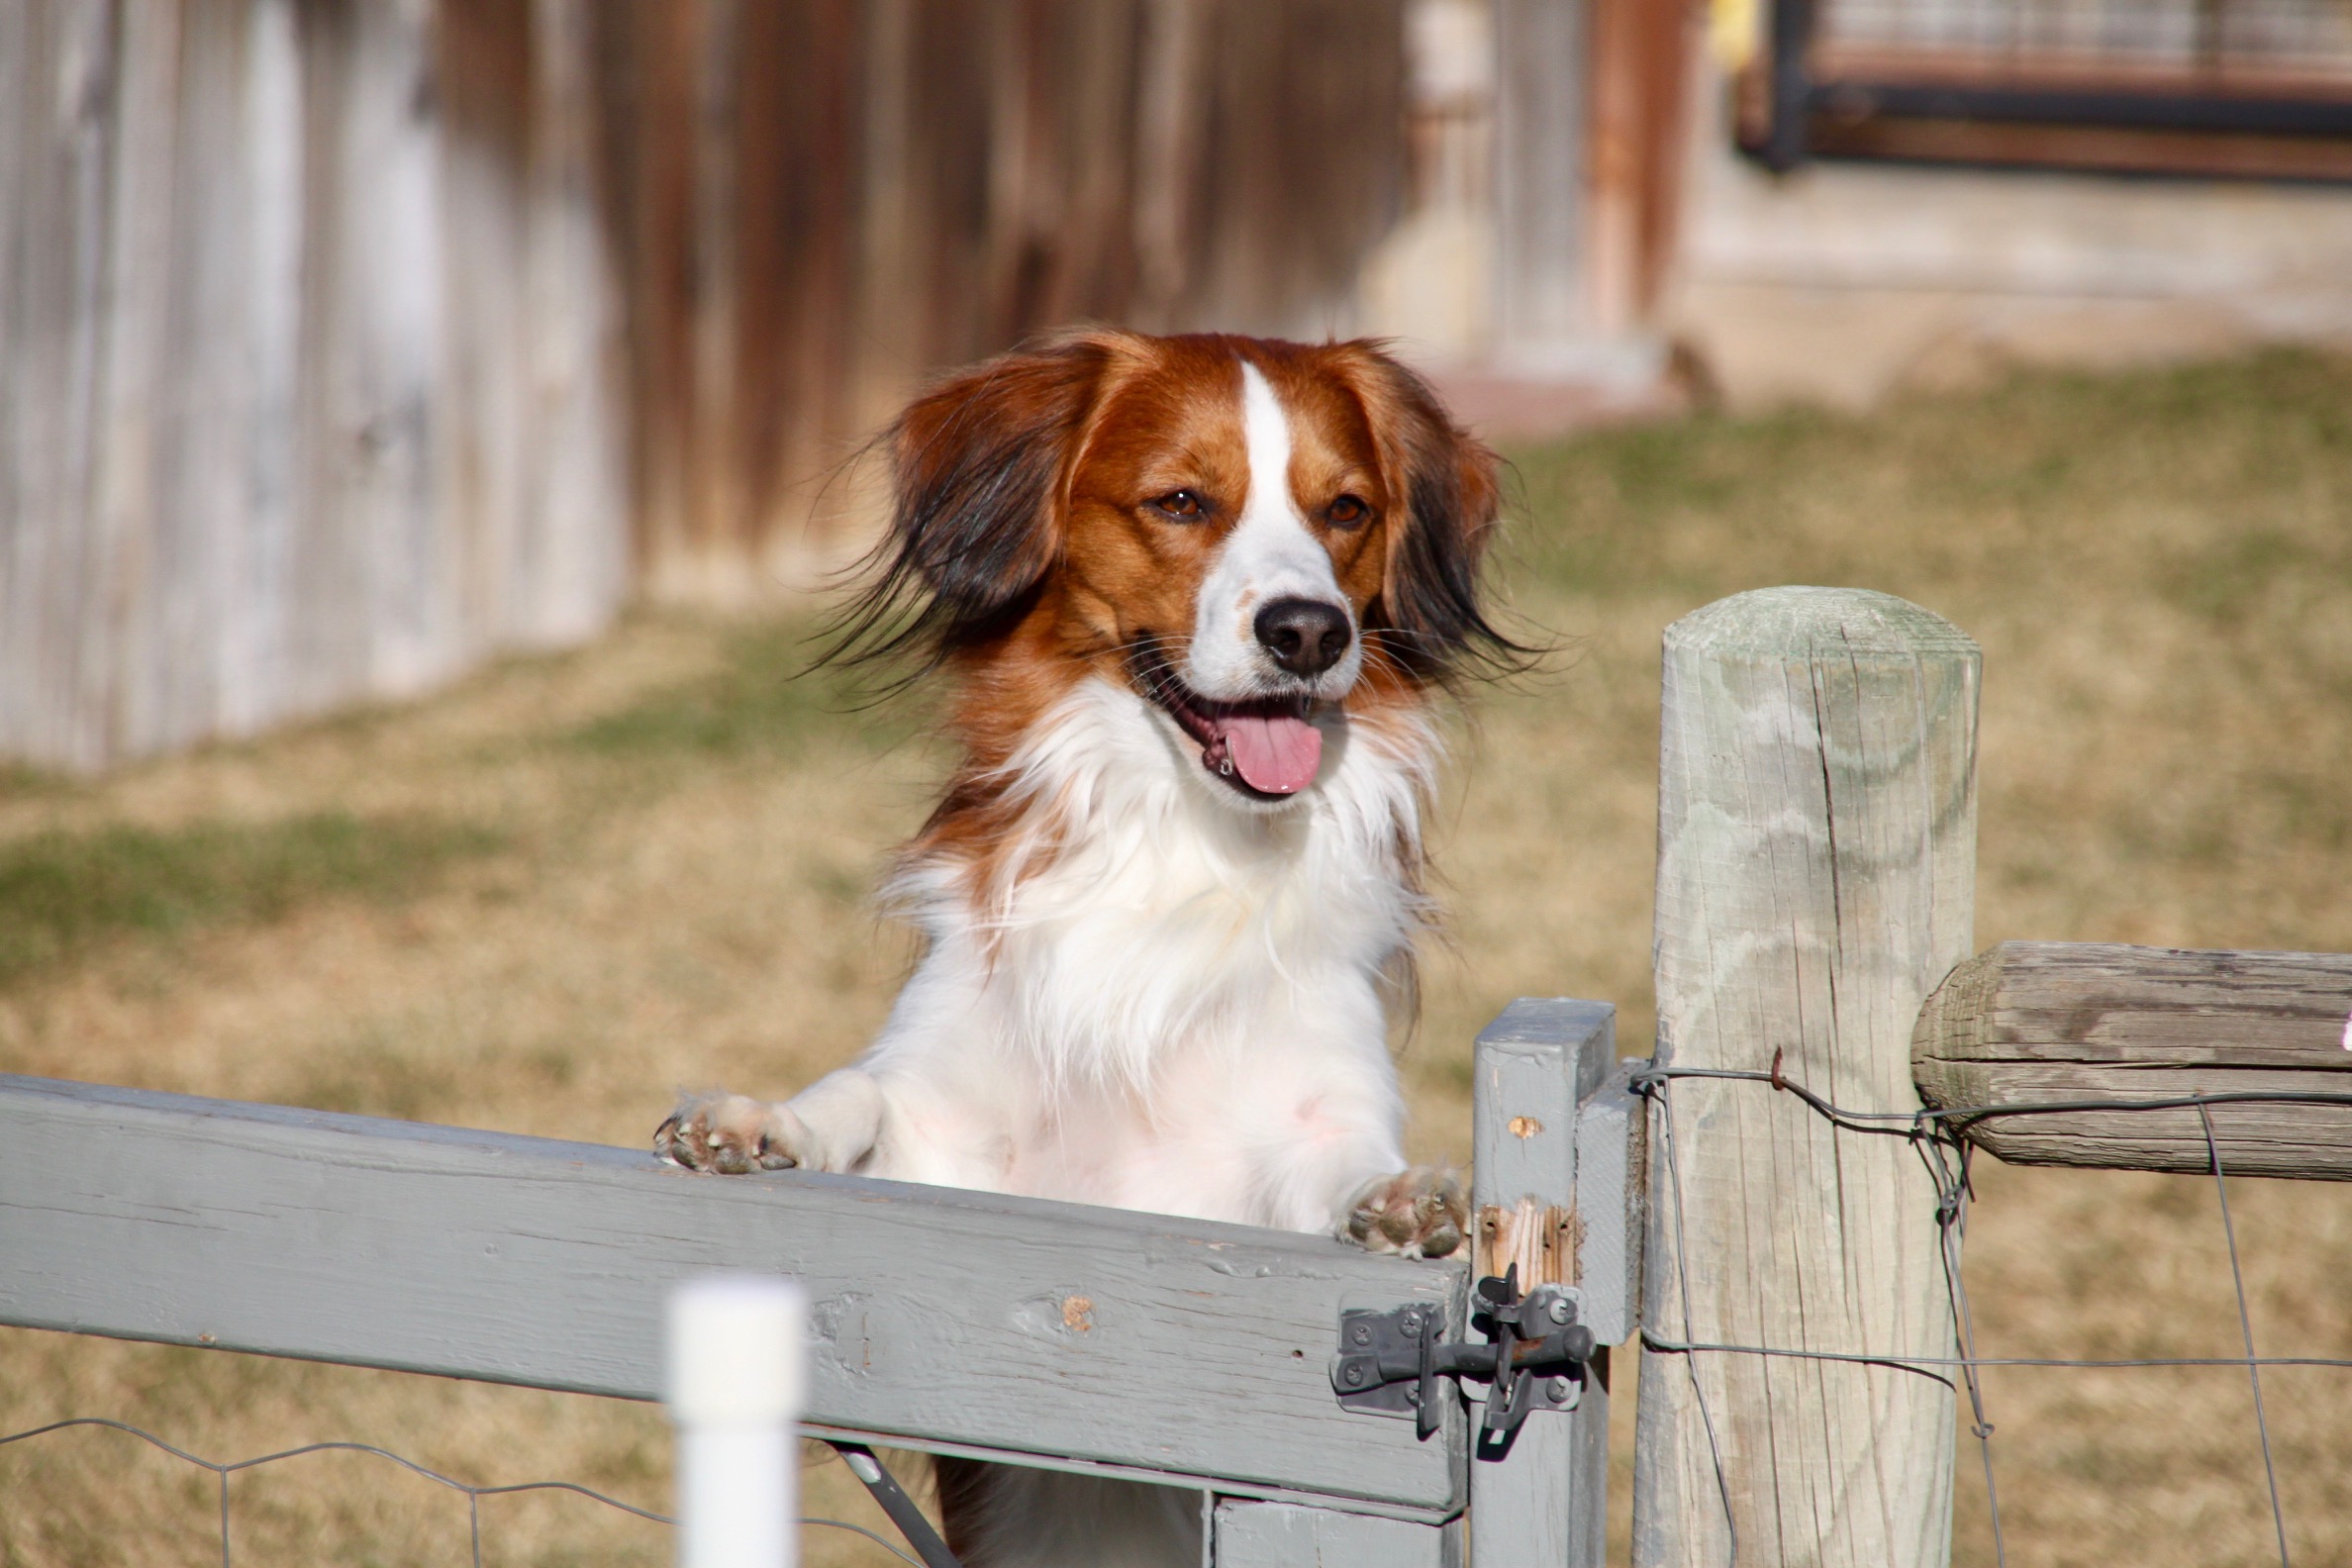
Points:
(1816, 843)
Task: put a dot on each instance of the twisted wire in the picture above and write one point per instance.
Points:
(224, 1469)
(1937, 1134)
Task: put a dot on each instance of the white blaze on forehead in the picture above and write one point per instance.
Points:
(1267, 429)
(1270, 554)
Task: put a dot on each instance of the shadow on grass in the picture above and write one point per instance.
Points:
(64, 893)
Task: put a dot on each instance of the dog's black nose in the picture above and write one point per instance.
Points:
(1306, 635)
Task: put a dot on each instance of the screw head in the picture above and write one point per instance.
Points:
(1413, 1392)
(1361, 1334)
(1412, 1325)
(1558, 1388)
(1352, 1375)
(1560, 1311)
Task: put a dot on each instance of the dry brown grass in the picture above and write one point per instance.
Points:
(653, 859)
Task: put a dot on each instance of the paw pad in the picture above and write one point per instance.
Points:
(1417, 1213)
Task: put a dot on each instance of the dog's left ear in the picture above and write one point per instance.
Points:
(979, 468)
(1450, 484)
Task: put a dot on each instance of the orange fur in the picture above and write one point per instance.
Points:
(1121, 418)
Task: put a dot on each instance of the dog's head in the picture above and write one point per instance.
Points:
(1245, 532)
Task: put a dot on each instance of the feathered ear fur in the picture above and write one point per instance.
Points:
(1431, 612)
(979, 466)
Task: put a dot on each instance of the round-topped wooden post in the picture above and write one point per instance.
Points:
(1816, 876)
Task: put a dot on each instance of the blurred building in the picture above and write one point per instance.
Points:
(346, 343)
(1834, 199)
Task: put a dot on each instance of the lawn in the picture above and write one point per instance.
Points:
(546, 899)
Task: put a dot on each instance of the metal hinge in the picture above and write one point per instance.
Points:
(1389, 1362)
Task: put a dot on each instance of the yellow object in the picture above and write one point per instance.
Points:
(1733, 29)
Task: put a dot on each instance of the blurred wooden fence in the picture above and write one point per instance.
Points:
(343, 343)
(302, 399)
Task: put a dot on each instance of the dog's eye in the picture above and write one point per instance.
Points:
(1346, 512)
(1180, 504)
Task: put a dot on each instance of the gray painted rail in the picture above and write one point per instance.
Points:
(1074, 1337)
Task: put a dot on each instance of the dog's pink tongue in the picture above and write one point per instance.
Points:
(1275, 756)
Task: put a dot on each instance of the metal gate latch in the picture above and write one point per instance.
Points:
(1534, 1357)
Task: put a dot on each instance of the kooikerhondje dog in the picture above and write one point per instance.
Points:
(1196, 597)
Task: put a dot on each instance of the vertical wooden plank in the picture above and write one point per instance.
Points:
(573, 559)
(1302, 169)
(128, 593)
(1545, 1501)
(328, 651)
(645, 102)
(1817, 831)
(212, 374)
(1169, 145)
(487, 437)
(1287, 1535)
(888, 330)
(530, 491)
(1640, 70)
(60, 65)
(1541, 96)
(267, 148)
(716, 496)
(377, 578)
(22, 118)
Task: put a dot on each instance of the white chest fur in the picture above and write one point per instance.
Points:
(1163, 1001)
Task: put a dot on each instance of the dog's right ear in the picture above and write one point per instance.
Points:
(979, 468)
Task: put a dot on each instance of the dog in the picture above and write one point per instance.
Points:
(1200, 599)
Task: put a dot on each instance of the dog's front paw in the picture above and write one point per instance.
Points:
(733, 1135)
(1418, 1212)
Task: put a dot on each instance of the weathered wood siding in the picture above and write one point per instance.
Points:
(343, 343)
(819, 202)
(302, 397)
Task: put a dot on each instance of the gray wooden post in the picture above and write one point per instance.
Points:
(1539, 1067)
(1555, 1188)
(1817, 837)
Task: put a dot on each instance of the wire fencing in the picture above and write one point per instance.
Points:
(1936, 1135)
(224, 1470)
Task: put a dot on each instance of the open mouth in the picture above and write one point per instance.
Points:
(1264, 747)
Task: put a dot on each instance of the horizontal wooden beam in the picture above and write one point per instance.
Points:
(2037, 1024)
(1081, 1339)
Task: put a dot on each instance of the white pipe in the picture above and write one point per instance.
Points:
(736, 1386)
